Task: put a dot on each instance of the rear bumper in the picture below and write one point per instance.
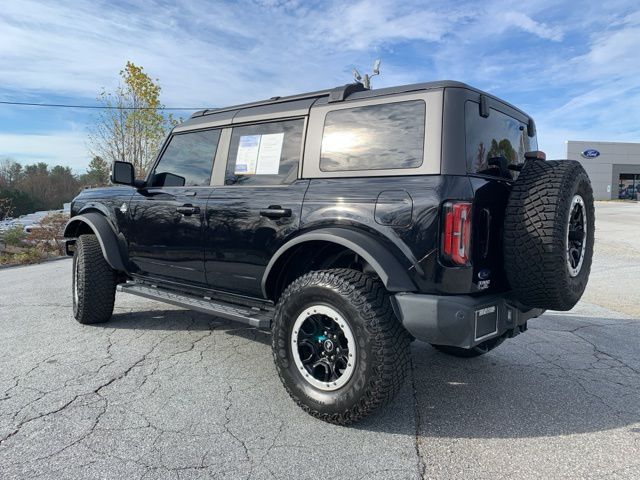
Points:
(461, 320)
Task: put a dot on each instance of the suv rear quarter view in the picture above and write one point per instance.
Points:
(349, 222)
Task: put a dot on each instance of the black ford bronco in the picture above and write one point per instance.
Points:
(349, 222)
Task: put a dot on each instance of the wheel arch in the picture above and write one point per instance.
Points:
(97, 224)
(390, 270)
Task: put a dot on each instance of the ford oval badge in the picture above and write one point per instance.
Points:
(484, 274)
(590, 153)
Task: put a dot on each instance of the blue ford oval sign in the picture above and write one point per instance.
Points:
(591, 153)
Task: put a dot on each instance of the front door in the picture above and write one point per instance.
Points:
(167, 217)
(257, 208)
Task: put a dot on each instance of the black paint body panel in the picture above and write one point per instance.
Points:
(228, 244)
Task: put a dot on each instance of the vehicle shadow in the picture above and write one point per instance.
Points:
(187, 320)
(547, 382)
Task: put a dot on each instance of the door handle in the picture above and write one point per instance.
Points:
(188, 210)
(275, 211)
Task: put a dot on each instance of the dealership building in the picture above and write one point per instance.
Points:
(613, 167)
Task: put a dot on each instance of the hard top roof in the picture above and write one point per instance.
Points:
(349, 92)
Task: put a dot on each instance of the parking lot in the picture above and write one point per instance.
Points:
(161, 392)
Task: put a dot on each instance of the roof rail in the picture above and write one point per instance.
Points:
(337, 94)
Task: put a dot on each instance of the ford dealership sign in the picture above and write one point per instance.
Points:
(591, 153)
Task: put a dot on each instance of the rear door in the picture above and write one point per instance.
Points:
(167, 217)
(255, 204)
(493, 143)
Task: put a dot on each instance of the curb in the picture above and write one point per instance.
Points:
(46, 260)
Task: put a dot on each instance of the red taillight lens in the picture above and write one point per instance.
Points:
(456, 235)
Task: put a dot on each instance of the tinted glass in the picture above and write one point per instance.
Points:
(498, 135)
(265, 154)
(375, 137)
(187, 160)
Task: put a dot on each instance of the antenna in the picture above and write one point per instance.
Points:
(376, 67)
(366, 81)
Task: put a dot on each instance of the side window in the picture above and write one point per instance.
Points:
(188, 160)
(374, 137)
(265, 154)
(491, 139)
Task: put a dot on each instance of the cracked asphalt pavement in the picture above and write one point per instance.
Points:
(161, 392)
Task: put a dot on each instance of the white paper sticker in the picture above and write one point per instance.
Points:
(247, 157)
(269, 154)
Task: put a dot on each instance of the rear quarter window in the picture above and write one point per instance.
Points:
(374, 137)
(498, 135)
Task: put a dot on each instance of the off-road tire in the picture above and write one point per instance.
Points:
(536, 230)
(95, 281)
(382, 355)
(478, 350)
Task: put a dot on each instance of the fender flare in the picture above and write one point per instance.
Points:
(392, 274)
(105, 234)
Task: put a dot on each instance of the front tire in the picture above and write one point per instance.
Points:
(94, 282)
(338, 348)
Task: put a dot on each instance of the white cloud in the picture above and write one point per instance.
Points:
(366, 24)
(239, 51)
(57, 147)
(527, 24)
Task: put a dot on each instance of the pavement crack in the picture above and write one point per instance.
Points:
(421, 464)
(227, 420)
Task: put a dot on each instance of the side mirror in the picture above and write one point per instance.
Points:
(122, 172)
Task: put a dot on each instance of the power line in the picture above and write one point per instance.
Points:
(60, 105)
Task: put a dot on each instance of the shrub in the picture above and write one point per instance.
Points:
(25, 257)
(14, 236)
(47, 236)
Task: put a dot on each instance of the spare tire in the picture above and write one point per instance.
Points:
(548, 234)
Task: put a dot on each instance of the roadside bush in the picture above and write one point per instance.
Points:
(14, 236)
(47, 236)
(25, 257)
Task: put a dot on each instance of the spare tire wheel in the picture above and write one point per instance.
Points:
(548, 234)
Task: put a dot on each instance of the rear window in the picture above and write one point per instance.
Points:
(374, 137)
(488, 139)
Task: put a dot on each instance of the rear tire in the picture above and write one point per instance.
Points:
(548, 234)
(341, 308)
(94, 282)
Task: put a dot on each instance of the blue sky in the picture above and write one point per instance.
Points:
(573, 65)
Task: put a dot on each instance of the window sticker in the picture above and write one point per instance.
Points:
(259, 154)
(247, 157)
(269, 154)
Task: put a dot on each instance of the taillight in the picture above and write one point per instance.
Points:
(456, 235)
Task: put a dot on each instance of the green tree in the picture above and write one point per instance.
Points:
(97, 174)
(131, 129)
(14, 203)
(10, 172)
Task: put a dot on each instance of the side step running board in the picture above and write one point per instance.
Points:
(250, 316)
